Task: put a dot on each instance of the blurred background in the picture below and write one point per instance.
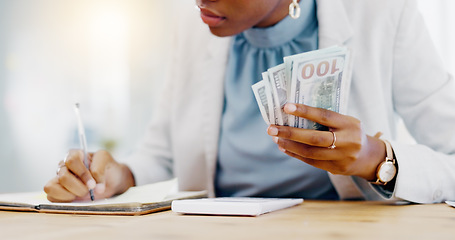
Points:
(109, 56)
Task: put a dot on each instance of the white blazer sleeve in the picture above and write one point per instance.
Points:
(424, 96)
(152, 160)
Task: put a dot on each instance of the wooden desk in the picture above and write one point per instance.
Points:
(313, 220)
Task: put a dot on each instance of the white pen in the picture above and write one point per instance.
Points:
(83, 142)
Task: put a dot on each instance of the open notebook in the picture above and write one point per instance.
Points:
(136, 201)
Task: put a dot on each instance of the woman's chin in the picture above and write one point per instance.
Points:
(224, 32)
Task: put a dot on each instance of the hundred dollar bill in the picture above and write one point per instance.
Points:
(277, 110)
(289, 61)
(320, 80)
(263, 97)
(277, 78)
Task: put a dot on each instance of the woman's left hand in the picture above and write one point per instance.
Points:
(355, 154)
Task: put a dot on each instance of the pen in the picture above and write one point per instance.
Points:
(83, 142)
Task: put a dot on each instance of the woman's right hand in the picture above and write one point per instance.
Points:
(73, 181)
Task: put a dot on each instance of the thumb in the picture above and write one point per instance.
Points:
(100, 162)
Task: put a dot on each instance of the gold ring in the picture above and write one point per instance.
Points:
(334, 141)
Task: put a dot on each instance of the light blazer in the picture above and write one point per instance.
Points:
(396, 72)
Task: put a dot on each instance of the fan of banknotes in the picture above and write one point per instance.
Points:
(319, 78)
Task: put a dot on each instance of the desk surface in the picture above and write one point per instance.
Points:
(311, 220)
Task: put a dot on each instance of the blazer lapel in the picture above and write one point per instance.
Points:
(335, 29)
(212, 74)
(334, 25)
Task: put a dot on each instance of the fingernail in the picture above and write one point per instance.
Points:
(100, 188)
(275, 139)
(91, 184)
(290, 108)
(273, 131)
(281, 149)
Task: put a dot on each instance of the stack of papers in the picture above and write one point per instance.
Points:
(451, 203)
(233, 206)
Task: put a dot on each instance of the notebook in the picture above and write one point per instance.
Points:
(242, 206)
(136, 201)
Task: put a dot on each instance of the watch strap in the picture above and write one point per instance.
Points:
(389, 151)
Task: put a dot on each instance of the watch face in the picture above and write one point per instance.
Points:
(387, 171)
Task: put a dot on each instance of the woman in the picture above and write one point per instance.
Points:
(208, 131)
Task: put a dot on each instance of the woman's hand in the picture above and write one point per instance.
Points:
(73, 181)
(355, 154)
